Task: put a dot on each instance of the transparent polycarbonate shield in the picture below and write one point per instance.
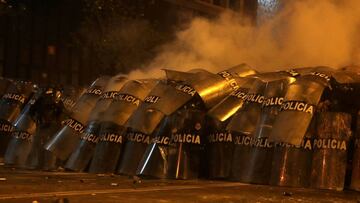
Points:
(258, 154)
(298, 109)
(177, 148)
(11, 104)
(346, 77)
(330, 150)
(274, 96)
(245, 120)
(232, 103)
(69, 97)
(165, 97)
(213, 88)
(112, 132)
(142, 126)
(186, 155)
(154, 163)
(40, 108)
(46, 160)
(81, 156)
(291, 164)
(170, 96)
(16, 96)
(134, 149)
(219, 149)
(65, 140)
(109, 93)
(127, 101)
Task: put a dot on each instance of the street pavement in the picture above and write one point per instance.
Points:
(38, 187)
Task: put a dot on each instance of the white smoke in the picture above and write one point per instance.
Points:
(302, 33)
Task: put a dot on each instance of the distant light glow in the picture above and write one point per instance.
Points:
(267, 9)
(269, 5)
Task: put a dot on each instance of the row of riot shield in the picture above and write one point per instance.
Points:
(29, 116)
(15, 95)
(273, 137)
(287, 128)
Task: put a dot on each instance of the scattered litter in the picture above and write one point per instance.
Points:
(136, 179)
(114, 184)
(288, 194)
(62, 200)
(100, 175)
(59, 181)
(2, 179)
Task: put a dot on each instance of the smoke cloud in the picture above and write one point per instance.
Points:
(302, 33)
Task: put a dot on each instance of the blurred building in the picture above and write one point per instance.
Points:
(36, 36)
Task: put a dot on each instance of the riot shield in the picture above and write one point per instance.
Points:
(24, 147)
(232, 103)
(219, 148)
(141, 124)
(330, 149)
(294, 129)
(258, 154)
(154, 162)
(113, 128)
(65, 140)
(291, 164)
(210, 87)
(177, 148)
(11, 104)
(299, 107)
(242, 125)
(81, 156)
(47, 160)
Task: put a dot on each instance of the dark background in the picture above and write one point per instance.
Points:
(75, 41)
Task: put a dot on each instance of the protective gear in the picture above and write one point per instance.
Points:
(11, 104)
(24, 147)
(330, 150)
(112, 132)
(82, 154)
(47, 160)
(65, 140)
(178, 155)
(299, 107)
(177, 149)
(219, 148)
(291, 164)
(141, 124)
(144, 124)
(251, 126)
